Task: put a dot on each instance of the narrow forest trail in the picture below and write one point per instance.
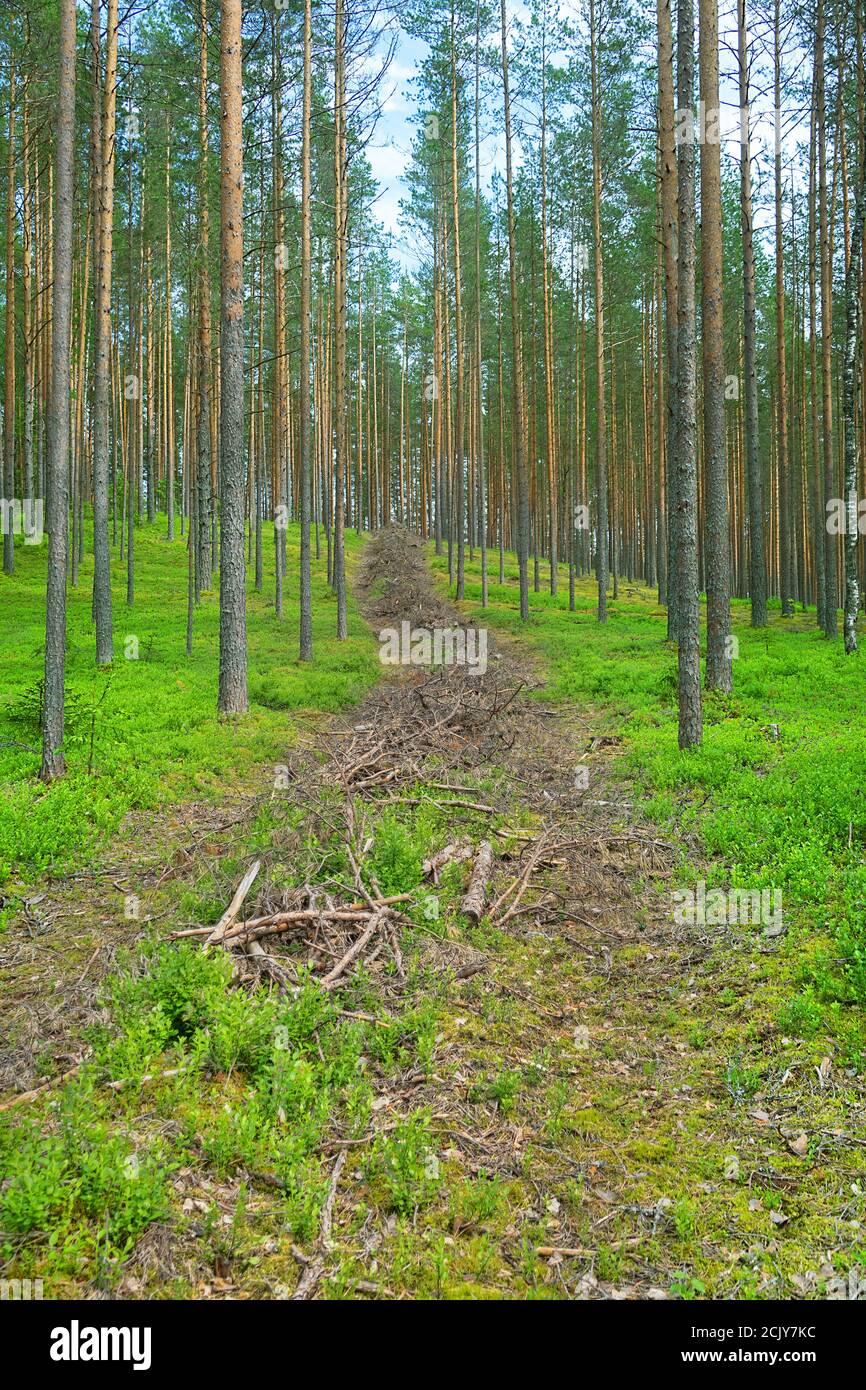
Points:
(602, 1060)
(570, 1095)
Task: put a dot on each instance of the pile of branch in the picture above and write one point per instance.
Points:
(330, 938)
(450, 718)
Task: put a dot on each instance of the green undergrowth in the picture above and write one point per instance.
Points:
(192, 1085)
(777, 791)
(145, 732)
(666, 1114)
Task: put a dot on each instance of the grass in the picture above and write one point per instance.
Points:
(777, 791)
(238, 1084)
(640, 1103)
(146, 732)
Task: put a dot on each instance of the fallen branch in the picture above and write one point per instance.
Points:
(355, 912)
(328, 981)
(315, 1267)
(37, 1091)
(234, 906)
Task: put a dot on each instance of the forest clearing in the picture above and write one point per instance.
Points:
(431, 718)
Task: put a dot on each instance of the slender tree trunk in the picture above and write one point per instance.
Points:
(204, 443)
(459, 457)
(816, 472)
(757, 563)
(53, 764)
(669, 219)
(782, 459)
(233, 632)
(482, 482)
(517, 422)
(690, 715)
(717, 543)
(102, 384)
(27, 302)
(548, 333)
(341, 194)
(831, 595)
(601, 400)
(852, 460)
(306, 611)
(9, 350)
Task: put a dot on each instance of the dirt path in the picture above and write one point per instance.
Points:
(583, 1098)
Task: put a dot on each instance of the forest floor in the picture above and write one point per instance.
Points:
(575, 1095)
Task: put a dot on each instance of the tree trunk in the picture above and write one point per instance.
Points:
(459, 457)
(601, 402)
(690, 715)
(782, 460)
(852, 461)
(831, 594)
(233, 633)
(53, 764)
(757, 564)
(9, 353)
(517, 422)
(341, 213)
(102, 383)
(717, 542)
(306, 612)
(669, 216)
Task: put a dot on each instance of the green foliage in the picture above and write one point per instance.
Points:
(82, 1186)
(397, 856)
(405, 1164)
(147, 733)
(784, 811)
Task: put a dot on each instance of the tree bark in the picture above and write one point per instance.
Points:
(53, 763)
(757, 563)
(717, 542)
(601, 402)
(690, 714)
(233, 633)
(669, 217)
(517, 384)
(849, 415)
(306, 612)
(341, 213)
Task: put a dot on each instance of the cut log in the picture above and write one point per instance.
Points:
(473, 901)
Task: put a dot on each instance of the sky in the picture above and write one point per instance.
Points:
(389, 152)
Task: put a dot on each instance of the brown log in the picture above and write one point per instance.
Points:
(474, 898)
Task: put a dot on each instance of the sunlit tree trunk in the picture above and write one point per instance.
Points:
(689, 632)
(53, 764)
(520, 471)
(757, 563)
(782, 456)
(233, 631)
(102, 384)
(852, 461)
(341, 213)
(601, 401)
(306, 613)
(717, 542)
